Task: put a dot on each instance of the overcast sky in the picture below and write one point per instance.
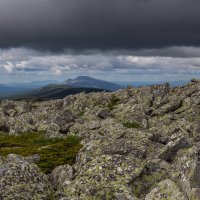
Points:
(141, 40)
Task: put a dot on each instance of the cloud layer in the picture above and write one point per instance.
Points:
(26, 64)
(109, 39)
(99, 24)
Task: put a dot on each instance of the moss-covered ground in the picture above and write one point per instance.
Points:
(53, 152)
(131, 125)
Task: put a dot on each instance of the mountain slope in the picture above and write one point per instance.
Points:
(53, 91)
(33, 84)
(9, 90)
(12, 89)
(88, 82)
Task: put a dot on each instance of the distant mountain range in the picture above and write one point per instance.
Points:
(51, 89)
(7, 89)
(19, 88)
(88, 82)
(146, 83)
(44, 90)
(34, 84)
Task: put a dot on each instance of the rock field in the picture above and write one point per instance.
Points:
(138, 143)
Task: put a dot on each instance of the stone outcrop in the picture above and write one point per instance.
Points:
(20, 179)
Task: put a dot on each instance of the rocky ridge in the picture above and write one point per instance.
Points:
(157, 159)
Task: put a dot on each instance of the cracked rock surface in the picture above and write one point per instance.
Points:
(138, 143)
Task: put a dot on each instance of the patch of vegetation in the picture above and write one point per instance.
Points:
(113, 102)
(131, 125)
(81, 113)
(53, 151)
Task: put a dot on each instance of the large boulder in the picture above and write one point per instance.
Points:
(22, 180)
(166, 190)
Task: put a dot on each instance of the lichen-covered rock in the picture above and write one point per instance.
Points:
(103, 114)
(20, 179)
(33, 158)
(61, 176)
(187, 172)
(104, 177)
(170, 150)
(153, 172)
(166, 190)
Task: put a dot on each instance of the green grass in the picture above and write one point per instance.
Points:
(113, 102)
(53, 152)
(131, 125)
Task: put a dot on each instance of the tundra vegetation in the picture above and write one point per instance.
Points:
(53, 152)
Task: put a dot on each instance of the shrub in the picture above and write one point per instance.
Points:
(113, 102)
(81, 113)
(53, 152)
(131, 125)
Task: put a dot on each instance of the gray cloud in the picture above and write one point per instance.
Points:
(25, 65)
(99, 24)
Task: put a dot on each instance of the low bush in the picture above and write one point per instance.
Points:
(131, 125)
(113, 102)
(53, 152)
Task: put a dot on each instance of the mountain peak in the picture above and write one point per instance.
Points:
(89, 82)
(84, 77)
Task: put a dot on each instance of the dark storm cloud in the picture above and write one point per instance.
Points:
(99, 24)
